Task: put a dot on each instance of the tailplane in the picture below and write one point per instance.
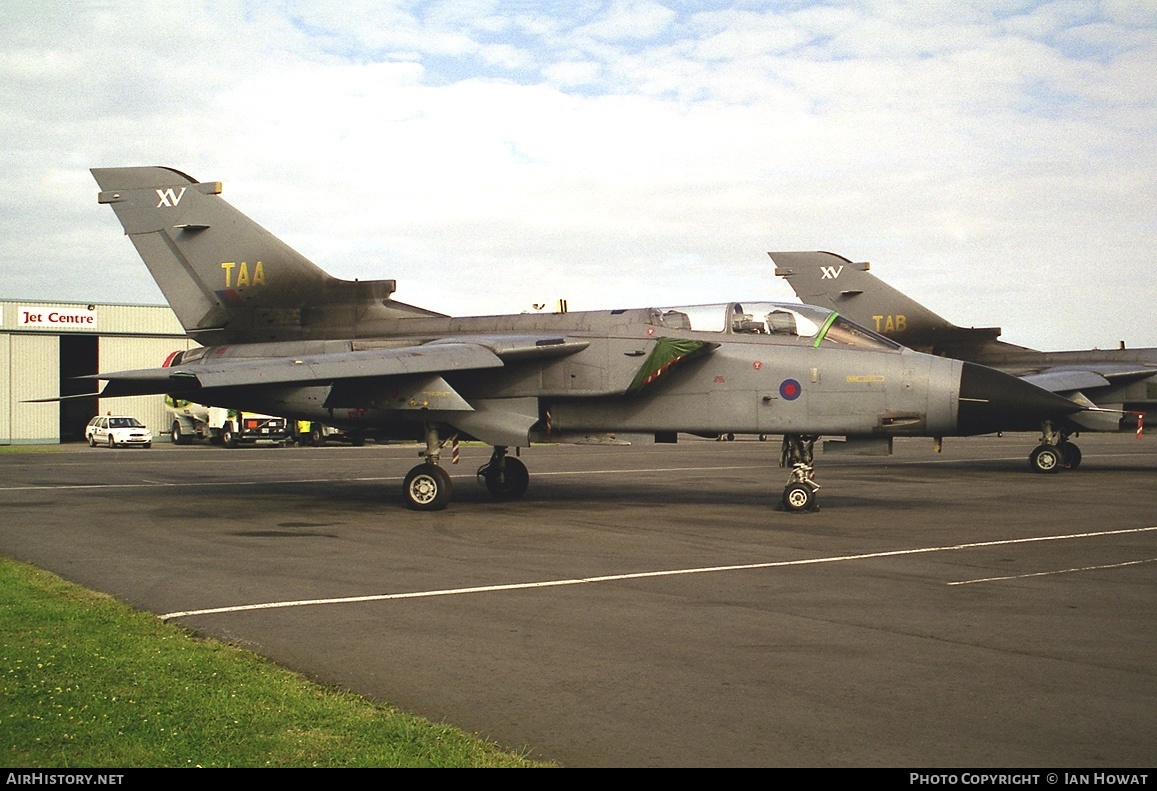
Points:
(227, 278)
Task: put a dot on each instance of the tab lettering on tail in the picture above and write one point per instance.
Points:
(886, 325)
(831, 272)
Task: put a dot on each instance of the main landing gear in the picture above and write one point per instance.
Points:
(798, 453)
(427, 487)
(505, 477)
(1055, 453)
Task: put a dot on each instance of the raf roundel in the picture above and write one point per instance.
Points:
(790, 389)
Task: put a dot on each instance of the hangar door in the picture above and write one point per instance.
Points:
(78, 357)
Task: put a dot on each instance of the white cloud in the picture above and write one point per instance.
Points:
(627, 20)
(572, 73)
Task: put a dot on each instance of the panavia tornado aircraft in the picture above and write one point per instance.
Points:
(1120, 383)
(282, 337)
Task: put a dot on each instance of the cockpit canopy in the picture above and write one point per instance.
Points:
(819, 326)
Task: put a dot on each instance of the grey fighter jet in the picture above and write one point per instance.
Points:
(1120, 383)
(282, 337)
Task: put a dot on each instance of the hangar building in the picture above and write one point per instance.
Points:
(44, 344)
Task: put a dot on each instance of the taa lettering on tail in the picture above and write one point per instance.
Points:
(243, 277)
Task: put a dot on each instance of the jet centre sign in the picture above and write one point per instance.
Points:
(56, 318)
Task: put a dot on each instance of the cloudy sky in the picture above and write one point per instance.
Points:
(995, 159)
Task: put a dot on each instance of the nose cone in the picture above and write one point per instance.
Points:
(991, 400)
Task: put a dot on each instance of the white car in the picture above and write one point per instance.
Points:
(117, 431)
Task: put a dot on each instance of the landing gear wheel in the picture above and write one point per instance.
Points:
(357, 440)
(506, 479)
(427, 488)
(1046, 459)
(798, 453)
(799, 497)
(1071, 454)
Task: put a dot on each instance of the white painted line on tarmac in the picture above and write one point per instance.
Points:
(182, 484)
(651, 469)
(1057, 571)
(645, 574)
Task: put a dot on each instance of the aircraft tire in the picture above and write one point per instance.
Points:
(510, 486)
(799, 497)
(1047, 459)
(1071, 454)
(427, 488)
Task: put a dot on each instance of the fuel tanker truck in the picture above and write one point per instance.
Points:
(221, 426)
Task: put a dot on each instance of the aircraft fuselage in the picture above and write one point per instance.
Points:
(748, 383)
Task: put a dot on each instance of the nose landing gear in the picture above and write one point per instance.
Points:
(798, 453)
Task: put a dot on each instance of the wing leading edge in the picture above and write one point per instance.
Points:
(303, 370)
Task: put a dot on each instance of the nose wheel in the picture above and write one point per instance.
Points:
(799, 453)
(800, 497)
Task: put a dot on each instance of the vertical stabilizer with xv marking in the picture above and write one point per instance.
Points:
(228, 279)
(834, 282)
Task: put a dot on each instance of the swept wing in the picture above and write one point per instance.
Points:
(442, 356)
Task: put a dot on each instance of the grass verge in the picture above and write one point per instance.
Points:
(88, 682)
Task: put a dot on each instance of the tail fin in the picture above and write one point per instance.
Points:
(832, 281)
(227, 278)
